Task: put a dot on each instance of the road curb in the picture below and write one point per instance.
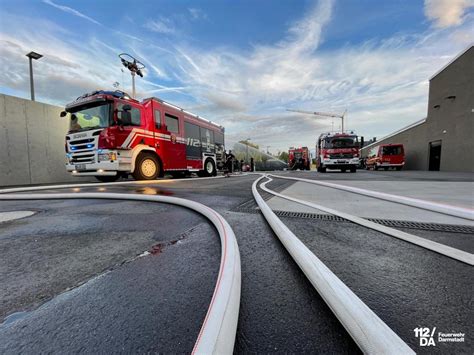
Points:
(455, 211)
(439, 248)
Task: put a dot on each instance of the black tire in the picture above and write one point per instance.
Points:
(343, 170)
(107, 178)
(353, 170)
(209, 168)
(147, 167)
(385, 169)
(376, 167)
(399, 168)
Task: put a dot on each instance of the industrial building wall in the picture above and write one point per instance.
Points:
(450, 120)
(450, 115)
(31, 143)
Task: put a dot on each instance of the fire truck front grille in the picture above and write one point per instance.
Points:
(340, 156)
(82, 141)
(83, 158)
(83, 150)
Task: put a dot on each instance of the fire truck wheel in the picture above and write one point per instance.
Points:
(104, 178)
(147, 167)
(210, 168)
(353, 170)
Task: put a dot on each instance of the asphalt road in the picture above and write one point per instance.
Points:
(75, 281)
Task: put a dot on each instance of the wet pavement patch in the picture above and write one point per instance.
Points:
(153, 191)
(158, 248)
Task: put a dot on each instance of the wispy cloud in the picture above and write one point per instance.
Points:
(447, 13)
(197, 14)
(383, 82)
(161, 25)
(72, 11)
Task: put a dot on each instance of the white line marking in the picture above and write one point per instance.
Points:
(102, 184)
(12, 215)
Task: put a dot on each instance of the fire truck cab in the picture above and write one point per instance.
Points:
(299, 158)
(112, 135)
(386, 156)
(337, 151)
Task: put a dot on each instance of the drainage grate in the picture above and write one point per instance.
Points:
(251, 207)
(454, 228)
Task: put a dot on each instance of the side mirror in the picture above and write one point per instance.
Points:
(362, 142)
(63, 114)
(126, 118)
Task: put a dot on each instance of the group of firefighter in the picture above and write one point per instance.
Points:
(232, 164)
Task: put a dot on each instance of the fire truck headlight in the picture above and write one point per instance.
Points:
(107, 156)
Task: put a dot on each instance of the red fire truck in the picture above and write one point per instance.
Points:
(337, 151)
(299, 158)
(112, 135)
(386, 156)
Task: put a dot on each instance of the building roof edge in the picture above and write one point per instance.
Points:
(411, 125)
(453, 60)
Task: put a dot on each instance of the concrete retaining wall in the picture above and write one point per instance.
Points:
(31, 143)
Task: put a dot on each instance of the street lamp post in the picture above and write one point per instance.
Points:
(247, 153)
(134, 66)
(31, 56)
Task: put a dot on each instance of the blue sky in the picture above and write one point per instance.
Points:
(242, 63)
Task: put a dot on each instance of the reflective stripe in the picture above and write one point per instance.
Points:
(137, 132)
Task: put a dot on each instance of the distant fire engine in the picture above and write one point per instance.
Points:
(112, 135)
(299, 158)
(337, 151)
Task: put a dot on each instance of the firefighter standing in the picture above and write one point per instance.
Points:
(230, 161)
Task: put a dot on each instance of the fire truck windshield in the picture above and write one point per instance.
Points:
(341, 142)
(90, 117)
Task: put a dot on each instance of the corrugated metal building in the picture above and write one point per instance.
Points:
(444, 139)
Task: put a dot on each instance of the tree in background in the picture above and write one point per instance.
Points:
(250, 144)
(283, 157)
